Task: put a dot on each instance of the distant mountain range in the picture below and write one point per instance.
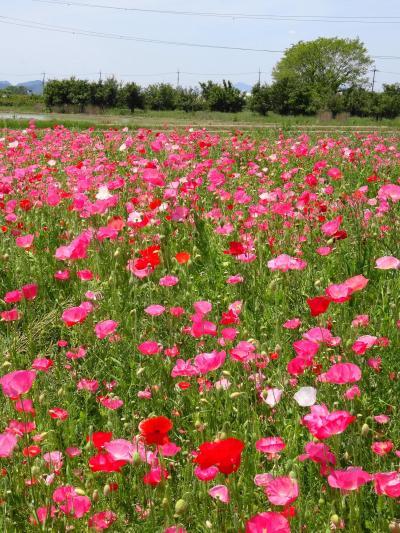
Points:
(35, 86)
(244, 87)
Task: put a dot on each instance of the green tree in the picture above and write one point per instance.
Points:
(105, 93)
(324, 66)
(161, 97)
(189, 99)
(359, 102)
(56, 93)
(132, 96)
(222, 97)
(289, 98)
(79, 93)
(260, 99)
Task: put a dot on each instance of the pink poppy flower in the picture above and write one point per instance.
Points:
(273, 397)
(387, 263)
(149, 348)
(270, 445)
(74, 315)
(154, 310)
(323, 424)
(168, 281)
(13, 297)
(269, 522)
(87, 384)
(382, 448)
(341, 373)
(102, 520)
(324, 250)
(387, 483)
(73, 452)
(110, 403)
(105, 328)
(360, 321)
(220, 492)
(120, 450)
(11, 315)
(17, 383)
(318, 452)
(29, 291)
(282, 490)
(85, 275)
(331, 227)
(207, 362)
(350, 479)
(24, 241)
(8, 441)
(285, 262)
(58, 413)
(391, 191)
(206, 474)
(62, 275)
(353, 392)
(293, 323)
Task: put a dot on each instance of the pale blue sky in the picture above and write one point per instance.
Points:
(27, 52)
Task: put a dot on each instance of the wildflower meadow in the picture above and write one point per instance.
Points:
(199, 331)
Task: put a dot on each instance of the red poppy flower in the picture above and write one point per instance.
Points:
(224, 454)
(155, 430)
(99, 438)
(103, 462)
(235, 248)
(318, 305)
(182, 257)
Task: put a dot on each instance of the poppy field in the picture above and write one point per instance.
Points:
(199, 331)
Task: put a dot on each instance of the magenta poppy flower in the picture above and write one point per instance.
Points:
(341, 373)
(168, 281)
(268, 522)
(323, 424)
(149, 348)
(270, 445)
(24, 241)
(8, 441)
(105, 328)
(102, 520)
(29, 291)
(17, 383)
(350, 479)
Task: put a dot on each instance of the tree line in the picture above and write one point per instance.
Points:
(326, 74)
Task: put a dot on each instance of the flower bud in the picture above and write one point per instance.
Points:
(365, 430)
(180, 507)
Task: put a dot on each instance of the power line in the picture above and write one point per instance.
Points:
(88, 33)
(256, 16)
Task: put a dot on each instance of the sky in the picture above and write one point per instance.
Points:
(28, 52)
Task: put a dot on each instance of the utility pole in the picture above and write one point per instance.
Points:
(177, 77)
(373, 78)
(44, 79)
(100, 75)
(259, 76)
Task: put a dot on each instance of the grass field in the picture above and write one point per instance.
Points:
(199, 331)
(168, 120)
